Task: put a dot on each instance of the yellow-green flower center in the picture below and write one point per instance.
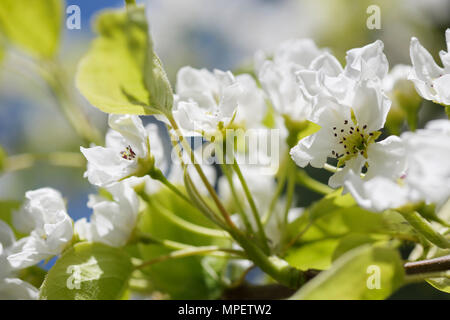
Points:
(352, 139)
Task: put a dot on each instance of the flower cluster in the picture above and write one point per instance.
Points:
(49, 229)
(296, 86)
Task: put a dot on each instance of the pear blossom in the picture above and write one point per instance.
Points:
(131, 150)
(300, 72)
(17, 289)
(367, 62)
(112, 221)
(431, 81)
(7, 239)
(347, 130)
(278, 77)
(50, 228)
(423, 173)
(282, 88)
(252, 106)
(399, 74)
(12, 288)
(205, 101)
(325, 74)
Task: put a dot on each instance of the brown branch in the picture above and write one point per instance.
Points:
(247, 291)
(273, 291)
(428, 266)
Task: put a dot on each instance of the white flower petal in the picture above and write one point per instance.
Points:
(425, 70)
(370, 105)
(297, 51)
(368, 62)
(16, 289)
(133, 131)
(106, 165)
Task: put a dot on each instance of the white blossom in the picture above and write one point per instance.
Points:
(131, 149)
(432, 82)
(398, 75)
(17, 289)
(44, 216)
(278, 77)
(11, 288)
(252, 106)
(205, 101)
(346, 132)
(325, 75)
(112, 221)
(420, 173)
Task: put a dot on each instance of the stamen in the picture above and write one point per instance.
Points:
(128, 154)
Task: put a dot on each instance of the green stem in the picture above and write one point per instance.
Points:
(425, 228)
(277, 268)
(201, 204)
(202, 175)
(330, 168)
(188, 252)
(27, 160)
(194, 195)
(305, 180)
(253, 207)
(195, 228)
(148, 239)
(277, 194)
(290, 189)
(157, 174)
(236, 199)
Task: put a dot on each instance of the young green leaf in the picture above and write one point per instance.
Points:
(88, 271)
(121, 73)
(33, 25)
(312, 255)
(442, 284)
(366, 272)
(350, 242)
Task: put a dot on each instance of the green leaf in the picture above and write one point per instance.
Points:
(338, 215)
(88, 271)
(121, 74)
(33, 275)
(193, 277)
(350, 242)
(33, 25)
(442, 284)
(312, 255)
(365, 272)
